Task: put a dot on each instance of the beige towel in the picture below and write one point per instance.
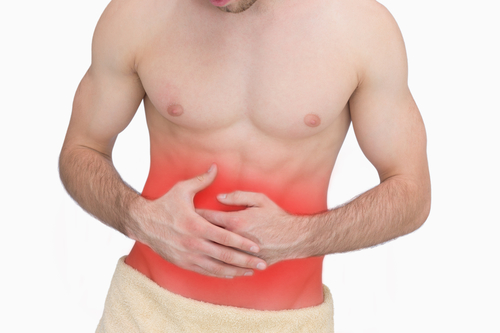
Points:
(137, 304)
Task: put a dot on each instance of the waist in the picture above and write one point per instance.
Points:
(291, 284)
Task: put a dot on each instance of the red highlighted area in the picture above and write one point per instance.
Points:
(289, 284)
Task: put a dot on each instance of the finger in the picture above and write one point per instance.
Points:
(241, 198)
(230, 239)
(198, 183)
(208, 266)
(200, 262)
(215, 217)
(233, 257)
(199, 270)
(213, 267)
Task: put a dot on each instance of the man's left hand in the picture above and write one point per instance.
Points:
(279, 234)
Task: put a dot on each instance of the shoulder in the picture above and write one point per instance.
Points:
(369, 15)
(374, 38)
(123, 30)
(113, 43)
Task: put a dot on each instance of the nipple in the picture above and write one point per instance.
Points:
(175, 110)
(312, 120)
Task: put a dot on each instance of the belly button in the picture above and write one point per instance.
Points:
(175, 110)
(312, 120)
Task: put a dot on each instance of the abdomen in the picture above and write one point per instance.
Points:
(286, 285)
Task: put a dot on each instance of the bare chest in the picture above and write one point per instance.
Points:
(290, 78)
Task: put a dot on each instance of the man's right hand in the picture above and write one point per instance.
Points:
(105, 103)
(172, 228)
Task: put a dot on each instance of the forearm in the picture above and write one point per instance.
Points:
(93, 182)
(394, 208)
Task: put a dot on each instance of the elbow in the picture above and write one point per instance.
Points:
(423, 207)
(61, 164)
(64, 160)
(68, 163)
(425, 211)
(417, 204)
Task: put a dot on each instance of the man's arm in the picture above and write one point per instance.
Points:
(391, 134)
(105, 103)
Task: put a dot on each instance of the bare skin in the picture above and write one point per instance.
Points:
(263, 98)
(237, 6)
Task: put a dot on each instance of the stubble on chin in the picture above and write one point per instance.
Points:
(238, 7)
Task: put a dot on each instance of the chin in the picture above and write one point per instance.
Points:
(238, 6)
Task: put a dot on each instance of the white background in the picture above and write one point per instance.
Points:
(57, 261)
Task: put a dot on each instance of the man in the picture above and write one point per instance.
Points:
(263, 100)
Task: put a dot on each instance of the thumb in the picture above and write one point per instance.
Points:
(198, 183)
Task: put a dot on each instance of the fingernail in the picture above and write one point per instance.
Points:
(261, 266)
(229, 277)
(211, 167)
(222, 196)
(248, 274)
(254, 249)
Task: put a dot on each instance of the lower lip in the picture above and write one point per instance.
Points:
(219, 3)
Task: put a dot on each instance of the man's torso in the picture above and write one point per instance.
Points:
(263, 94)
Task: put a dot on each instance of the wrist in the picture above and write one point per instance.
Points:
(137, 212)
(314, 235)
(304, 236)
